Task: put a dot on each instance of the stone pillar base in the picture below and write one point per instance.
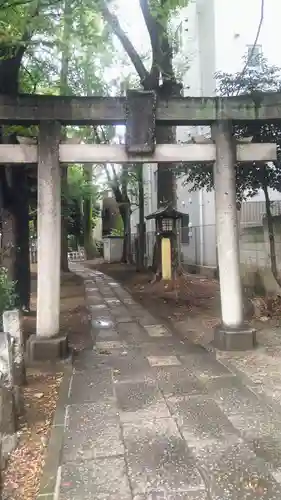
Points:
(47, 349)
(234, 339)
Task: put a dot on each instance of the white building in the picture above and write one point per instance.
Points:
(215, 35)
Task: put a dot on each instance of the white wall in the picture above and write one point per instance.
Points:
(224, 31)
(215, 36)
(236, 25)
(150, 198)
(274, 196)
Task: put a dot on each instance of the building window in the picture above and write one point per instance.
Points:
(254, 56)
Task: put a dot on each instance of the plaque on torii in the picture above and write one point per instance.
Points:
(140, 122)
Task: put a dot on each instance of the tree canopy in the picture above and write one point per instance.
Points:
(250, 177)
(79, 191)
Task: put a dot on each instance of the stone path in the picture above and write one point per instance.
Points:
(150, 416)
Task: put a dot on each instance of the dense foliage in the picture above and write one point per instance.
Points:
(250, 177)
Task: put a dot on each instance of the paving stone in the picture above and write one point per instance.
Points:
(110, 357)
(158, 459)
(95, 315)
(157, 331)
(93, 431)
(119, 290)
(259, 422)
(93, 299)
(270, 396)
(194, 349)
(140, 400)
(236, 401)
(204, 365)
(139, 312)
(110, 344)
(88, 360)
(112, 301)
(267, 448)
(163, 360)
(119, 311)
(103, 479)
(235, 473)
(144, 319)
(200, 420)
(174, 380)
(95, 307)
(130, 368)
(102, 322)
(215, 385)
(107, 295)
(161, 494)
(106, 334)
(92, 385)
(131, 332)
(161, 346)
(124, 319)
(129, 301)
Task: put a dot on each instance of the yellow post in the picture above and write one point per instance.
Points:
(166, 259)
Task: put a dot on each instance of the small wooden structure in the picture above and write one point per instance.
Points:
(166, 221)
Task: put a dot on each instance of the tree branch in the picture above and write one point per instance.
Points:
(112, 20)
(167, 69)
(113, 182)
(153, 31)
(162, 56)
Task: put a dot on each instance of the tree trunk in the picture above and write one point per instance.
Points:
(88, 230)
(20, 209)
(273, 261)
(15, 223)
(141, 232)
(166, 180)
(15, 229)
(87, 218)
(8, 241)
(166, 194)
(125, 212)
(64, 233)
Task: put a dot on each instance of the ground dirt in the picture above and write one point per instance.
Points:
(191, 303)
(22, 475)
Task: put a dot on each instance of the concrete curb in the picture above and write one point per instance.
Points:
(49, 478)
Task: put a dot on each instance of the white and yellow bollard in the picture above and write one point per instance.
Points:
(166, 259)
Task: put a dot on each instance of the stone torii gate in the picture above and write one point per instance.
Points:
(49, 112)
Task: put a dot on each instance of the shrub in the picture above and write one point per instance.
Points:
(8, 296)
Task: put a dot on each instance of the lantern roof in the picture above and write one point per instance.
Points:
(166, 211)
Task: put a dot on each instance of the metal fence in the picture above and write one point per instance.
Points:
(149, 246)
(197, 246)
(198, 243)
(252, 212)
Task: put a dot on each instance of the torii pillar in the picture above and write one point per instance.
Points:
(233, 333)
(48, 344)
